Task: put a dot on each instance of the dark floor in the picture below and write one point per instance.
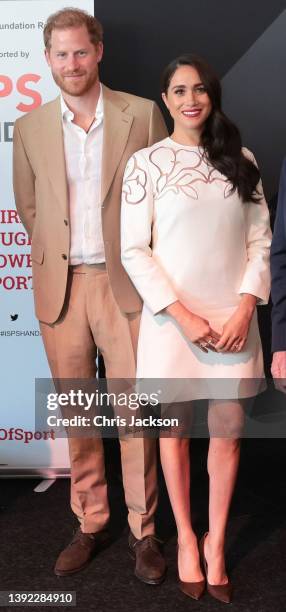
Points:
(35, 526)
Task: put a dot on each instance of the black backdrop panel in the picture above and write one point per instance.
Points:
(142, 37)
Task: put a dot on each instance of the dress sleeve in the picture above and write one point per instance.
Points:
(256, 278)
(137, 208)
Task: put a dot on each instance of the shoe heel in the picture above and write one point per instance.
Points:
(221, 592)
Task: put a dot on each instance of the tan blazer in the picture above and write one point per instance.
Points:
(41, 193)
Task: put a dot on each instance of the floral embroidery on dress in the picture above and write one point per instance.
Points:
(135, 180)
(177, 177)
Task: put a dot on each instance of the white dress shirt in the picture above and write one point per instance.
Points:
(83, 154)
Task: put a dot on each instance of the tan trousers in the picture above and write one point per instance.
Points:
(91, 320)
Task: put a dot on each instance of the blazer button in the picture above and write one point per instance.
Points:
(64, 256)
(66, 222)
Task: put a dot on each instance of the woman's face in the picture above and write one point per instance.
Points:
(187, 100)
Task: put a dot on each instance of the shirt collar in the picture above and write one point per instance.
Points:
(68, 115)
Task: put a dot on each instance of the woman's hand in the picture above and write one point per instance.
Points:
(195, 328)
(235, 330)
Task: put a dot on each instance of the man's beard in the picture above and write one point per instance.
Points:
(74, 88)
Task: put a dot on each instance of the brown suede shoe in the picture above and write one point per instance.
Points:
(150, 566)
(77, 555)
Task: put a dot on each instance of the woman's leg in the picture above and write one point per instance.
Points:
(175, 460)
(225, 424)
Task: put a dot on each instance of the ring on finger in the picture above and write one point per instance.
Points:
(201, 346)
(204, 344)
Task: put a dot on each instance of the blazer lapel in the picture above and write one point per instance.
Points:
(116, 129)
(53, 148)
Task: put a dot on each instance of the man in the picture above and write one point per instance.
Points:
(69, 158)
(278, 287)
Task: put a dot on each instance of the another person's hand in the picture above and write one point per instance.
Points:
(235, 330)
(195, 328)
(278, 370)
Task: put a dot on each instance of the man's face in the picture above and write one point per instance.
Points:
(73, 60)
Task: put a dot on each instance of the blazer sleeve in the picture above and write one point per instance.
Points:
(145, 272)
(157, 126)
(256, 278)
(278, 269)
(23, 182)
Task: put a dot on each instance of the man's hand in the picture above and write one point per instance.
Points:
(195, 328)
(278, 370)
(235, 330)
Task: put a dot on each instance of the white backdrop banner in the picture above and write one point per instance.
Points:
(25, 84)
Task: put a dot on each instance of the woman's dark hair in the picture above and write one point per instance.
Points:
(220, 138)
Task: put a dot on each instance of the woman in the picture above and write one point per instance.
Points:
(195, 198)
